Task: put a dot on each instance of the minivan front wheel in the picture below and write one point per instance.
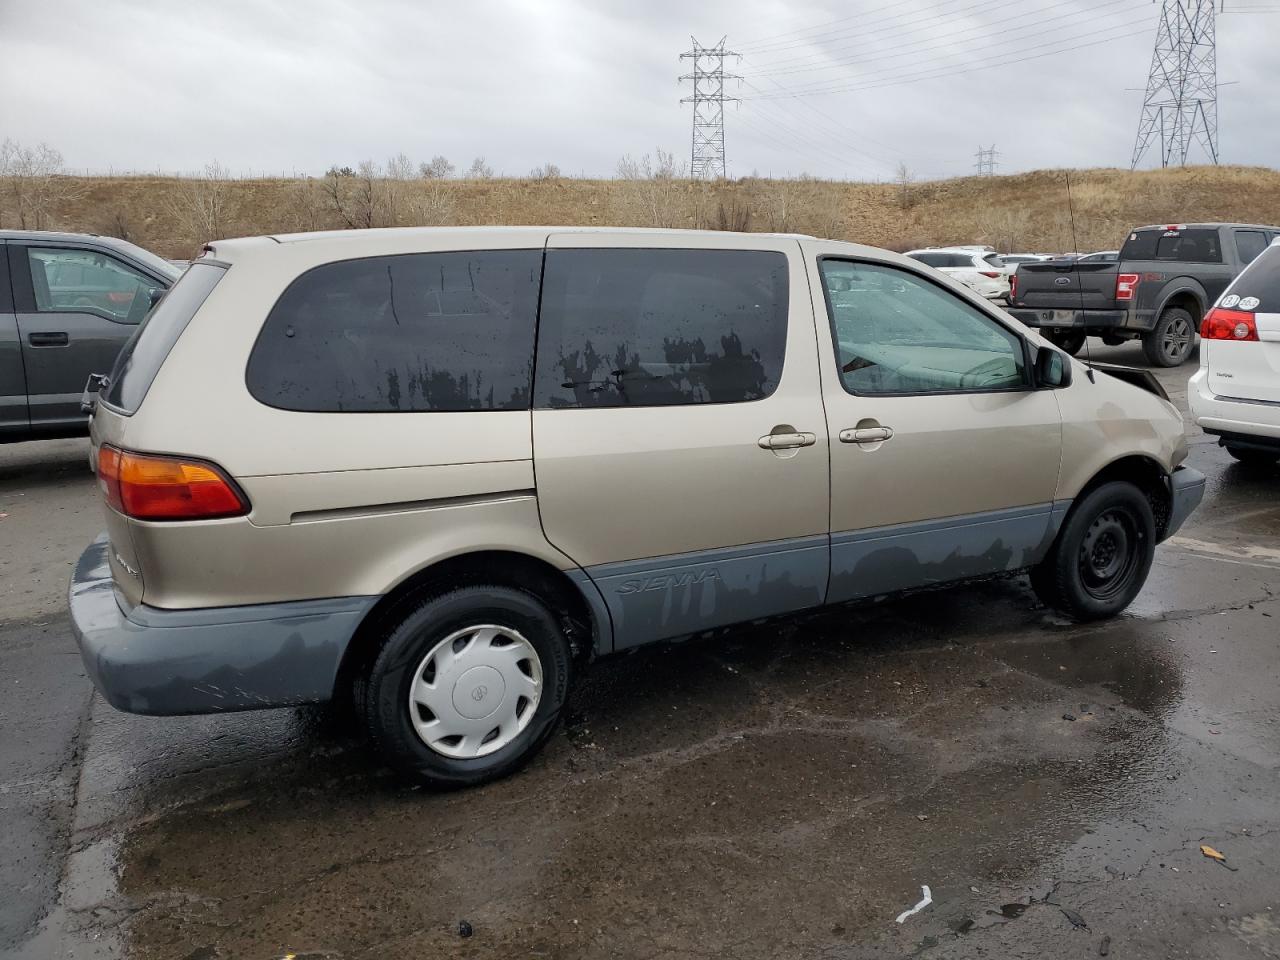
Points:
(468, 685)
(1102, 555)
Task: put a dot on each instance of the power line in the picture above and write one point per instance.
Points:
(1181, 102)
(946, 40)
(823, 29)
(986, 63)
(708, 76)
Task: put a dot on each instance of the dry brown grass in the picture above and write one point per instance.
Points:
(1025, 211)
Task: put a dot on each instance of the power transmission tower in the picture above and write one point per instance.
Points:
(708, 99)
(1181, 104)
(986, 165)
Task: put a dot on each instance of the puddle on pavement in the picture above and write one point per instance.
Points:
(734, 795)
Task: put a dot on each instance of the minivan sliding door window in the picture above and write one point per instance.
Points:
(642, 327)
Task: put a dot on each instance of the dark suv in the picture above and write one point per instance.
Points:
(68, 303)
(1165, 280)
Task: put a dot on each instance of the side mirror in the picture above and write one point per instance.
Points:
(156, 295)
(1052, 369)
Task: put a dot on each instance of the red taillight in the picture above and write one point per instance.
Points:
(990, 273)
(1013, 286)
(120, 296)
(1229, 325)
(1127, 285)
(166, 488)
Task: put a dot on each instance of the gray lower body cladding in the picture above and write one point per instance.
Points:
(660, 598)
(1186, 490)
(166, 662)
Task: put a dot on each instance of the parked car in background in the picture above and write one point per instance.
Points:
(1158, 291)
(1102, 256)
(630, 436)
(68, 303)
(978, 268)
(1235, 395)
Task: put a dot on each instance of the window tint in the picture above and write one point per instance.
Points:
(933, 259)
(1250, 243)
(139, 361)
(65, 280)
(896, 332)
(423, 331)
(1262, 281)
(660, 327)
(1189, 246)
(994, 260)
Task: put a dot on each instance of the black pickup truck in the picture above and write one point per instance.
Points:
(1165, 280)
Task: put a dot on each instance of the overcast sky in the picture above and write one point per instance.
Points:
(282, 87)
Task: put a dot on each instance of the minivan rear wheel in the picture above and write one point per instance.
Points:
(468, 685)
(1102, 555)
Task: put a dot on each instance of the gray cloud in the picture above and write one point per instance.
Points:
(282, 87)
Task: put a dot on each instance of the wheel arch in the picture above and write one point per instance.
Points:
(1145, 473)
(574, 601)
(1188, 295)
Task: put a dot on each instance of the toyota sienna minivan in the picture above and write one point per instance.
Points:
(434, 471)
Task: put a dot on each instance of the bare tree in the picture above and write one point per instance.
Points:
(364, 198)
(33, 179)
(548, 171)
(433, 206)
(905, 179)
(781, 204)
(479, 170)
(308, 205)
(203, 204)
(437, 169)
(654, 184)
(400, 167)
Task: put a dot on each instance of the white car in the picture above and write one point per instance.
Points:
(1235, 395)
(981, 271)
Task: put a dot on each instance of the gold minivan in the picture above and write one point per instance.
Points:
(433, 471)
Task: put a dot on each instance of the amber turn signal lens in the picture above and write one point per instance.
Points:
(166, 488)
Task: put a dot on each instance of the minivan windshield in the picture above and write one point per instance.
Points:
(140, 360)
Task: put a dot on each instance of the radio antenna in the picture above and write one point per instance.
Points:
(1075, 268)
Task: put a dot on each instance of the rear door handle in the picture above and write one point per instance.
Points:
(48, 339)
(786, 441)
(866, 435)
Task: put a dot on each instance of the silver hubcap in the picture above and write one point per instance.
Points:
(1177, 339)
(475, 691)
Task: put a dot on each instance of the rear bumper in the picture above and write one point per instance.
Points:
(166, 662)
(1259, 420)
(1186, 489)
(1061, 319)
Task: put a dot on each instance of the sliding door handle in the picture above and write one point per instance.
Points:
(866, 434)
(786, 441)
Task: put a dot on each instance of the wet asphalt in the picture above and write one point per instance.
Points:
(778, 790)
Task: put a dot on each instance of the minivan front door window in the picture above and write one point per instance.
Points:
(898, 333)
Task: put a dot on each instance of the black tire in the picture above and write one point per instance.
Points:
(384, 692)
(1068, 341)
(1171, 341)
(1252, 456)
(1102, 555)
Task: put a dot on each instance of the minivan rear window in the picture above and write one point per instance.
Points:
(140, 360)
(643, 328)
(398, 334)
(1259, 286)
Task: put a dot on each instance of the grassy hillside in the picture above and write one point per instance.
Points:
(1026, 211)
